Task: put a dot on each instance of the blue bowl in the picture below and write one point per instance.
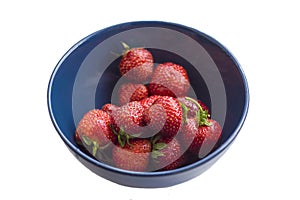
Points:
(86, 76)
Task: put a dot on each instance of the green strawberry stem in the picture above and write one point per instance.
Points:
(95, 148)
(113, 129)
(126, 47)
(157, 147)
(122, 136)
(86, 140)
(201, 115)
(184, 111)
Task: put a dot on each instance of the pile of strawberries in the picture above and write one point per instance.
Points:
(156, 126)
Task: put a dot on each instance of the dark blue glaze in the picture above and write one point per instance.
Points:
(63, 101)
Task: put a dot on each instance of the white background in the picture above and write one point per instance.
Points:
(262, 163)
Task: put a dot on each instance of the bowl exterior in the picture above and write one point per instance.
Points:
(149, 179)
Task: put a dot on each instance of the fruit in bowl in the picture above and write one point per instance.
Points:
(178, 120)
(159, 114)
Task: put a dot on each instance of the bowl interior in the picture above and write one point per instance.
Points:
(87, 76)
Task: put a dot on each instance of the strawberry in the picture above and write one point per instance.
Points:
(191, 107)
(132, 92)
(166, 155)
(200, 134)
(94, 130)
(136, 64)
(164, 116)
(128, 119)
(133, 156)
(169, 79)
(201, 140)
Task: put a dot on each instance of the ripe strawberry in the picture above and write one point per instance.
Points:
(166, 155)
(94, 130)
(129, 118)
(132, 92)
(200, 140)
(133, 156)
(136, 64)
(169, 79)
(164, 116)
(191, 107)
(200, 134)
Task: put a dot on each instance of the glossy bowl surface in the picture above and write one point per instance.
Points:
(86, 76)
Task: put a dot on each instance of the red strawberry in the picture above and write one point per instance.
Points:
(200, 134)
(164, 116)
(132, 92)
(136, 64)
(200, 140)
(191, 107)
(129, 118)
(133, 156)
(169, 79)
(94, 130)
(166, 155)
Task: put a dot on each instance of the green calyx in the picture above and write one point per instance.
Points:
(126, 48)
(201, 115)
(184, 111)
(93, 144)
(123, 137)
(86, 140)
(157, 147)
(95, 148)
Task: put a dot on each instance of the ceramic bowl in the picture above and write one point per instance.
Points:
(87, 74)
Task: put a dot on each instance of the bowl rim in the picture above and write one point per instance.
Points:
(188, 167)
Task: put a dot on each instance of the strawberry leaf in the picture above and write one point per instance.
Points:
(155, 154)
(184, 111)
(122, 136)
(86, 140)
(160, 146)
(95, 148)
(113, 129)
(155, 139)
(128, 139)
(201, 115)
(121, 141)
(125, 46)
